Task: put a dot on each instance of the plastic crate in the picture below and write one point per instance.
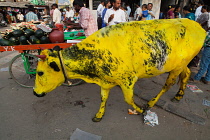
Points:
(68, 37)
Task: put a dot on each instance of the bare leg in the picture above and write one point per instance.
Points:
(184, 76)
(104, 97)
(171, 80)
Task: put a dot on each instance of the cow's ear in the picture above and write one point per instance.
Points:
(57, 48)
(54, 66)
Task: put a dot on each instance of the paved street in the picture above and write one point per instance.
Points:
(56, 116)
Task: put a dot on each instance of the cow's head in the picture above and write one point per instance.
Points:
(49, 73)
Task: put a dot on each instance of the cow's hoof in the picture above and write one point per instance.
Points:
(174, 100)
(146, 107)
(96, 119)
(144, 113)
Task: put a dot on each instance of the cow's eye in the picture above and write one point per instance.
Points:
(40, 73)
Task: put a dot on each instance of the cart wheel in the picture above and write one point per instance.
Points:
(18, 72)
(74, 82)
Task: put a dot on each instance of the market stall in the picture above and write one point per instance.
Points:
(29, 39)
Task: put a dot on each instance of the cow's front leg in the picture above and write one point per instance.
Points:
(104, 97)
(128, 95)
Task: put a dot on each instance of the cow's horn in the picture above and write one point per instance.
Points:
(43, 57)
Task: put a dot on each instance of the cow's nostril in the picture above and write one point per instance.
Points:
(40, 73)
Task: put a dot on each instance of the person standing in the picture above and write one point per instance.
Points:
(20, 17)
(56, 14)
(145, 12)
(170, 13)
(176, 12)
(151, 14)
(69, 13)
(99, 13)
(138, 12)
(204, 64)
(198, 10)
(14, 15)
(86, 20)
(188, 14)
(51, 12)
(63, 14)
(107, 5)
(100, 8)
(9, 15)
(115, 15)
(125, 11)
(204, 17)
(38, 14)
(31, 16)
(208, 23)
(128, 9)
(1, 15)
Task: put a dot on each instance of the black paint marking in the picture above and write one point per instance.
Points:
(159, 50)
(88, 62)
(54, 66)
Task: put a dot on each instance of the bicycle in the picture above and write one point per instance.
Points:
(22, 68)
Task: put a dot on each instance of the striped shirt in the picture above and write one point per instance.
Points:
(31, 16)
(207, 41)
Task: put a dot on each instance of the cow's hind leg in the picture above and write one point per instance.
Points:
(104, 97)
(183, 77)
(128, 95)
(171, 80)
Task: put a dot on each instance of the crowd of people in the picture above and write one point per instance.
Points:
(11, 16)
(201, 14)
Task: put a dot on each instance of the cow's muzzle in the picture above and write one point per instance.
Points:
(39, 95)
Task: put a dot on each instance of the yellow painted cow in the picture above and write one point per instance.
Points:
(123, 53)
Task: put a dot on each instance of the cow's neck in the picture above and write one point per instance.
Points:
(76, 61)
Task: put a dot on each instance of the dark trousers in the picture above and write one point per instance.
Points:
(99, 21)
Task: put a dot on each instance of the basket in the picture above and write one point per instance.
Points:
(72, 35)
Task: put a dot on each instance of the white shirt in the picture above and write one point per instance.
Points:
(100, 9)
(137, 12)
(70, 13)
(198, 12)
(119, 16)
(57, 16)
(20, 16)
(128, 10)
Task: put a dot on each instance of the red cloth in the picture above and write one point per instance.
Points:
(87, 21)
(170, 14)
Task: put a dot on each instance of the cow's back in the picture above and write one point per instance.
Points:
(144, 48)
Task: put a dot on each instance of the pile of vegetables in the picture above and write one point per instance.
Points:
(24, 34)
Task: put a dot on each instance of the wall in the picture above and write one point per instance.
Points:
(94, 13)
(156, 6)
